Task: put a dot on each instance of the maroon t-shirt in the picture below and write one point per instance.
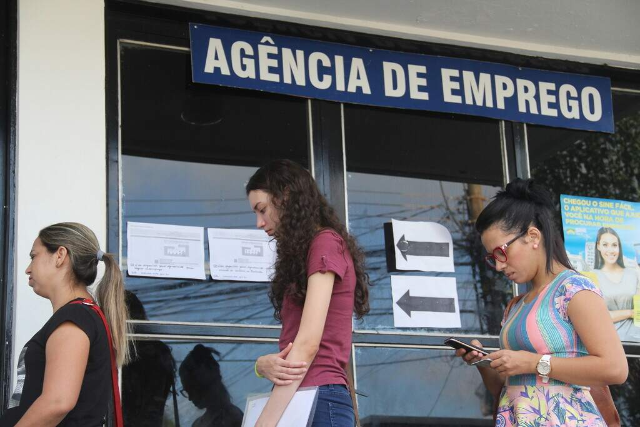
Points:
(328, 252)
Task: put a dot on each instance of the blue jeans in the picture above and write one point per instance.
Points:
(334, 407)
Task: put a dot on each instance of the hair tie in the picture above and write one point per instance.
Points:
(99, 255)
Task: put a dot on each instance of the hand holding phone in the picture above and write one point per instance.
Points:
(456, 343)
(482, 363)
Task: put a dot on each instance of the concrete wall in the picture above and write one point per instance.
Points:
(61, 161)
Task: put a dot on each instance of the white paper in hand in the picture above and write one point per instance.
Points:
(299, 412)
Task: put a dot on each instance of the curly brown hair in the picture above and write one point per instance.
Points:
(303, 211)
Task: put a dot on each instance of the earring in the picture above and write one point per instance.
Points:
(535, 246)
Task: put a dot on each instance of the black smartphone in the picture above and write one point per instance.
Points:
(456, 343)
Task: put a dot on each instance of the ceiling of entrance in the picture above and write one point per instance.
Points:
(591, 31)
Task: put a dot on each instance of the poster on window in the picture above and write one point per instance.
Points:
(241, 255)
(163, 250)
(602, 239)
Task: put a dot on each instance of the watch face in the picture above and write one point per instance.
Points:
(544, 367)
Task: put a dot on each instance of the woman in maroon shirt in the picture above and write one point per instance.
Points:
(319, 282)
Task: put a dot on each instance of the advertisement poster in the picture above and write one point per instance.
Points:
(602, 239)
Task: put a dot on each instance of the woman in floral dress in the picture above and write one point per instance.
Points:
(558, 339)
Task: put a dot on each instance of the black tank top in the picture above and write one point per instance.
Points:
(95, 393)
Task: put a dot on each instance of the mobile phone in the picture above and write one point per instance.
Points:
(455, 343)
(482, 362)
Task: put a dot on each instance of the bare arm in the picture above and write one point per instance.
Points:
(67, 353)
(606, 362)
(306, 344)
(618, 315)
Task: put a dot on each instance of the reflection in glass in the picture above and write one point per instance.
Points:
(166, 192)
(587, 163)
(211, 385)
(187, 151)
(376, 199)
(418, 387)
(148, 380)
(202, 385)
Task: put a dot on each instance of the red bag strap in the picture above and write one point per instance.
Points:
(114, 370)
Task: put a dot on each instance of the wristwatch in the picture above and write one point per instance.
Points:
(544, 367)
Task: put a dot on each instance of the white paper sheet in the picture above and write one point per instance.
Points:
(299, 412)
(160, 250)
(422, 246)
(245, 255)
(432, 302)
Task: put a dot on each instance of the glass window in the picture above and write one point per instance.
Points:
(187, 153)
(419, 387)
(208, 383)
(589, 163)
(430, 171)
(602, 166)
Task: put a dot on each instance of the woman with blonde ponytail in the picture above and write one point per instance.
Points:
(65, 371)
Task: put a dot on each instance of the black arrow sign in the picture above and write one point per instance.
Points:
(422, 248)
(441, 305)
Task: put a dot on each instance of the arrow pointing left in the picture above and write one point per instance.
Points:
(409, 303)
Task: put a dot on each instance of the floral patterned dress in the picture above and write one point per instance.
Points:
(542, 326)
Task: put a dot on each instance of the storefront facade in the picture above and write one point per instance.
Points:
(119, 87)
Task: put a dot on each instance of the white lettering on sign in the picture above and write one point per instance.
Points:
(477, 92)
(216, 58)
(591, 93)
(265, 61)
(546, 99)
(293, 66)
(504, 89)
(339, 64)
(448, 85)
(569, 107)
(358, 77)
(415, 82)
(526, 95)
(394, 84)
(314, 78)
(243, 65)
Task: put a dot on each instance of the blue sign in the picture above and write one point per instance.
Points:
(336, 72)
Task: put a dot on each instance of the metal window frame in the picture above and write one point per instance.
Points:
(8, 126)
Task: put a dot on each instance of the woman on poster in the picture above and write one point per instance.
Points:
(618, 283)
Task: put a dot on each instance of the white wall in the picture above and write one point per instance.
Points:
(593, 31)
(61, 174)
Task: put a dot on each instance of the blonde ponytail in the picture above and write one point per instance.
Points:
(111, 299)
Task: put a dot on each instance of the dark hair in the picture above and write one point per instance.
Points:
(201, 364)
(82, 248)
(200, 374)
(599, 262)
(521, 205)
(303, 210)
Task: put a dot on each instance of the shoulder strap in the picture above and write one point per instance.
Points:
(114, 369)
